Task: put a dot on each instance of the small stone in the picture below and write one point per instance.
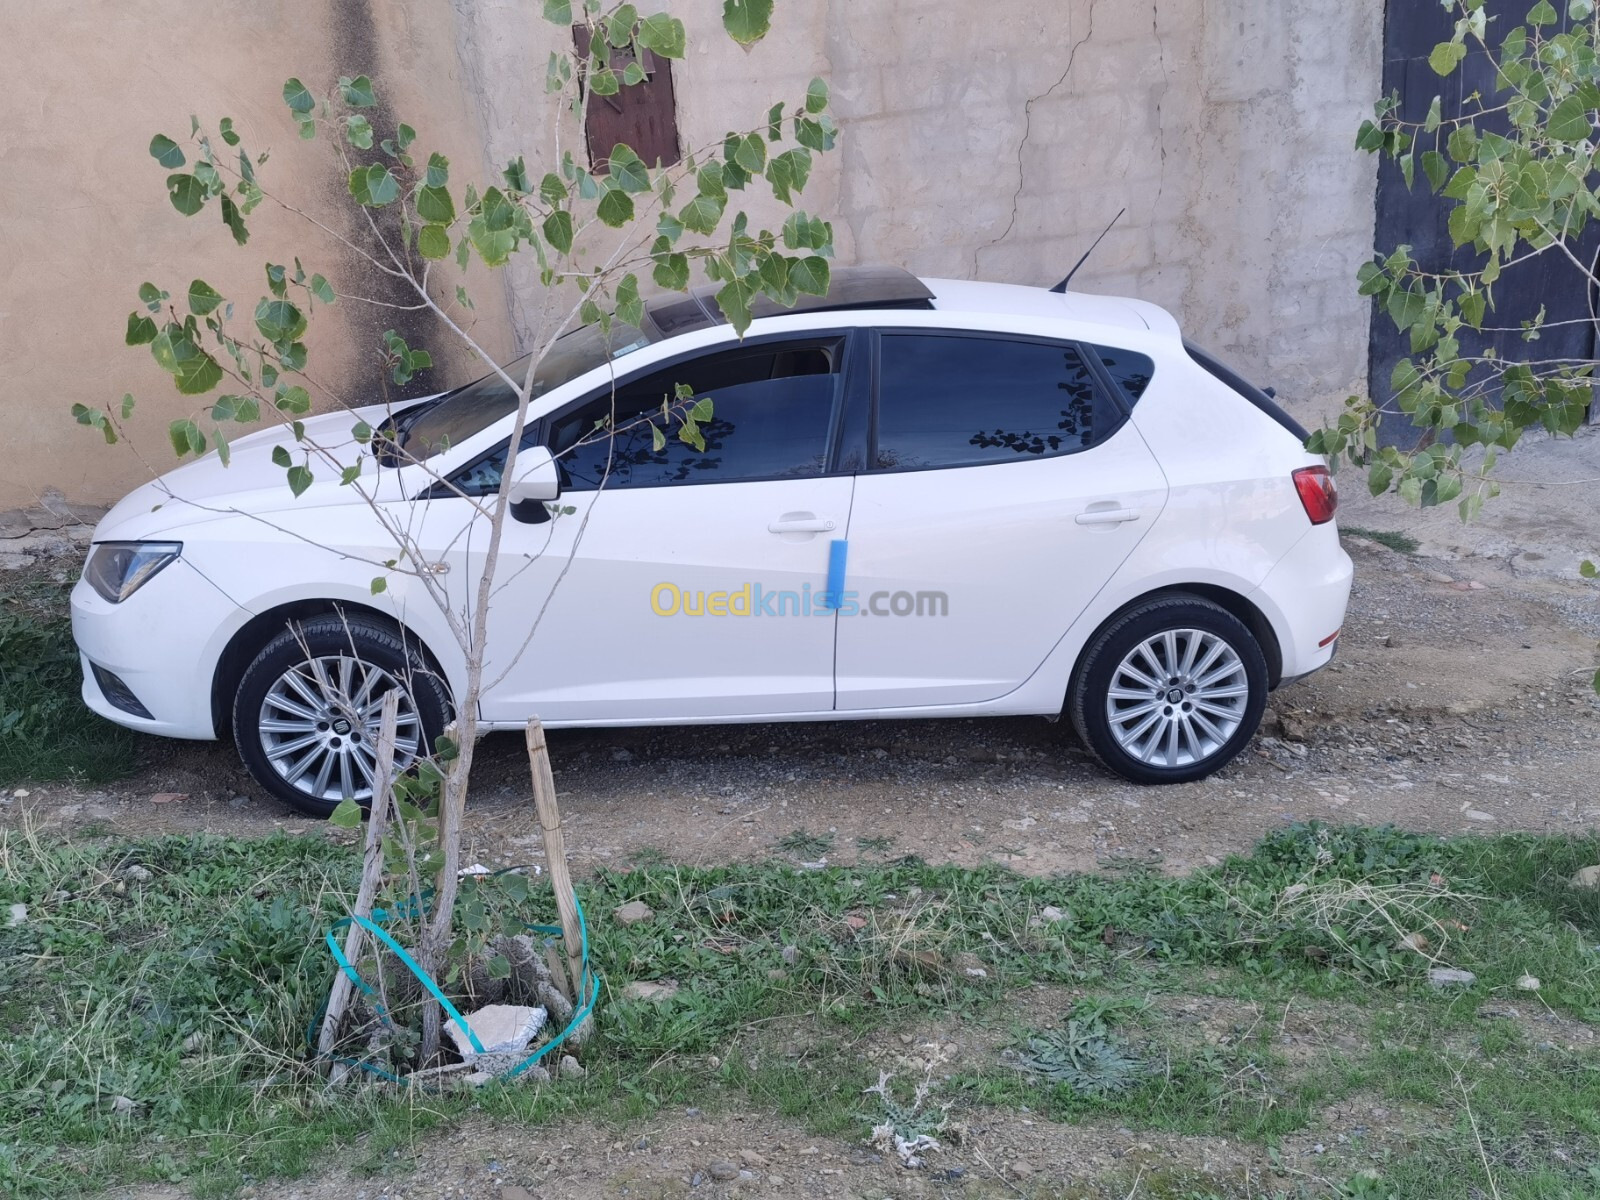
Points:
(970, 965)
(644, 989)
(1020, 1170)
(168, 797)
(791, 954)
(137, 874)
(1529, 983)
(633, 912)
(477, 1079)
(1475, 814)
(194, 1043)
(751, 1159)
(776, 1180)
(503, 1030)
(722, 1172)
(1438, 577)
(621, 754)
(571, 1068)
(512, 1192)
(240, 802)
(123, 1106)
(19, 916)
(1443, 977)
(1414, 941)
(1589, 877)
(1050, 914)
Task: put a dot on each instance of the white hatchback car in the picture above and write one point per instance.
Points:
(917, 498)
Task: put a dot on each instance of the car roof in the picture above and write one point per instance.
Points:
(894, 289)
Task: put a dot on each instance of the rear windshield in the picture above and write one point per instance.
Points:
(432, 428)
(1248, 390)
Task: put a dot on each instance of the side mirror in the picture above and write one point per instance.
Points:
(536, 482)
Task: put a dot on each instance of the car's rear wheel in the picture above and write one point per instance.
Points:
(1170, 691)
(307, 712)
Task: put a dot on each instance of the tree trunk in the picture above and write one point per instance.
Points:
(555, 853)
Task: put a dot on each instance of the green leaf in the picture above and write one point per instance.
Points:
(615, 208)
(629, 307)
(558, 230)
(300, 478)
(558, 12)
(322, 289)
(664, 35)
(516, 176)
(438, 170)
(346, 815)
(203, 298)
(225, 128)
(177, 352)
(619, 25)
(234, 220)
(1446, 57)
(295, 400)
(658, 440)
(379, 585)
(810, 275)
(551, 190)
(702, 214)
(187, 193)
(604, 82)
(1435, 168)
(751, 154)
(1570, 121)
(166, 151)
(374, 186)
(280, 457)
(357, 92)
(628, 171)
(788, 172)
(435, 206)
(672, 272)
(141, 330)
(747, 21)
(1542, 13)
(297, 97)
(359, 130)
(1588, 570)
(279, 321)
(1379, 477)
(433, 241)
(734, 301)
(817, 95)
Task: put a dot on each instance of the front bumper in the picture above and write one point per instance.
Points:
(162, 643)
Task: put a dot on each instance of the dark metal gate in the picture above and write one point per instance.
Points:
(1416, 217)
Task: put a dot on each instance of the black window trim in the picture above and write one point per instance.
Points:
(538, 431)
(1097, 373)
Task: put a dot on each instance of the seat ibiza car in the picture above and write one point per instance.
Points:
(915, 498)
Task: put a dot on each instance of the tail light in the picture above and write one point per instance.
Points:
(1317, 493)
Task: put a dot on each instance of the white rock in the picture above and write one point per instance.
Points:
(504, 1031)
(1589, 877)
(1050, 914)
(123, 1106)
(137, 874)
(633, 912)
(1474, 814)
(571, 1068)
(19, 916)
(1443, 977)
(643, 989)
(1529, 983)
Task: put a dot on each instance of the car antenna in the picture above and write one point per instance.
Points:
(1062, 286)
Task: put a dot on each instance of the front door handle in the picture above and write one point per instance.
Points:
(801, 522)
(1107, 516)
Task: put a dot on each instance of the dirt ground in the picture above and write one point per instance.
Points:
(1460, 700)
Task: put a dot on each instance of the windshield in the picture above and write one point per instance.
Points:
(433, 428)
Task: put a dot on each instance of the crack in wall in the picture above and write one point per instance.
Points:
(1027, 132)
(1166, 86)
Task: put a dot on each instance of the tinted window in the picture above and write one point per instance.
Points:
(1130, 371)
(772, 410)
(965, 401)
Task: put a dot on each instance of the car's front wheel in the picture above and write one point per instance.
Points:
(307, 711)
(1170, 691)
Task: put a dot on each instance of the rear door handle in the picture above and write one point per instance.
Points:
(1107, 516)
(801, 523)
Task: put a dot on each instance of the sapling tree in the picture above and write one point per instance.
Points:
(599, 233)
(1516, 169)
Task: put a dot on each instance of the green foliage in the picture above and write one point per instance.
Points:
(1509, 194)
(747, 21)
(1402, 543)
(1083, 1056)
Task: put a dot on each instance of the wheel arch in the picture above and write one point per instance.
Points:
(254, 634)
(1224, 598)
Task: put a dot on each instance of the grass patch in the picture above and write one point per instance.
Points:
(46, 733)
(189, 993)
(1404, 543)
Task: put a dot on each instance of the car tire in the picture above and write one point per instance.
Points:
(1170, 691)
(307, 709)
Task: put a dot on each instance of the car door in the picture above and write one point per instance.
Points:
(1006, 486)
(654, 594)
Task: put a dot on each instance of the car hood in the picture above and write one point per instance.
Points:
(206, 490)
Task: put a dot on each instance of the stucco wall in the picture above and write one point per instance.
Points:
(991, 143)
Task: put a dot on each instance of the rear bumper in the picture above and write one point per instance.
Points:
(1305, 597)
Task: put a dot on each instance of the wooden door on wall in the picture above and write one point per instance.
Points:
(642, 116)
(1416, 217)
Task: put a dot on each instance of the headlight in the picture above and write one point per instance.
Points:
(119, 569)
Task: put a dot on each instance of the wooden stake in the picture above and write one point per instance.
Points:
(555, 852)
(371, 877)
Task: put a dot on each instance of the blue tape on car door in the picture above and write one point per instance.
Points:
(838, 550)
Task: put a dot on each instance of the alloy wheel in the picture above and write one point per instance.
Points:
(1177, 697)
